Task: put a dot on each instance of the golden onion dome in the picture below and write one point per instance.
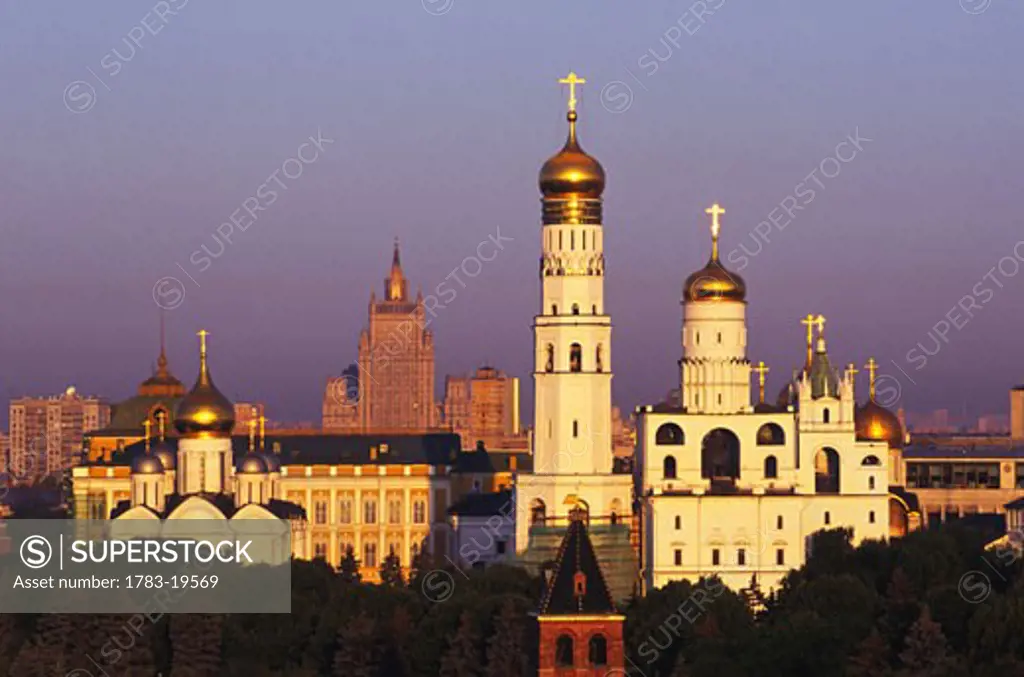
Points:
(713, 282)
(571, 172)
(875, 423)
(204, 411)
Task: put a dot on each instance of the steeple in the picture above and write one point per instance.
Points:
(395, 284)
(162, 383)
(824, 382)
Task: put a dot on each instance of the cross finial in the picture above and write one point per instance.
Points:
(572, 80)
(263, 431)
(715, 211)
(809, 322)
(872, 368)
(202, 334)
(820, 322)
(761, 370)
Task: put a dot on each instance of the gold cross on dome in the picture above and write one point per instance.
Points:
(715, 211)
(872, 367)
(572, 80)
(202, 334)
(820, 322)
(761, 370)
(852, 369)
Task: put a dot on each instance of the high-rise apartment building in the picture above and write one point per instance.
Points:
(46, 433)
(483, 407)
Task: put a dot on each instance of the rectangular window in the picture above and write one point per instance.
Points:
(320, 551)
(345, 511)
(778, 522)
(500, 546)
(394, 512)
(419, 512)
(370, 512)
(780, 557)
(871, 517)
(679, 557)
(319, 512)
(828, 517)
(716, 557)
(741, 557)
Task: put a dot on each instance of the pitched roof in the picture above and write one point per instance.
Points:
(331, 449)
(577, 586)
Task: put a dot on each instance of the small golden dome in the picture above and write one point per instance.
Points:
(204, 412)
(875, 423)
(714, 283)
(571, 171)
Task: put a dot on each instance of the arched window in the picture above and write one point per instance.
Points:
(871, 484)
(669, 433)
(826, 415)
(593, 309)
(615, 509)
(575, 309)
(679, 522)
(563, 651)
(575, 428)
(537, 512)
(598, 650)
(554, 308)
(771, 468)
(826, 471)
(575, 357)
(720, 455)
(549, 365)
(669, 468)
(771, 434)
(871, 460)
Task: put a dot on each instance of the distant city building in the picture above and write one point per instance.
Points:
(395, 371)
(46, 433)
(483, 408)
(341, 401)
(623, 435)
(246, 414)
(5, 452)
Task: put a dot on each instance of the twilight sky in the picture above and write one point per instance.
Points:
(439, 115)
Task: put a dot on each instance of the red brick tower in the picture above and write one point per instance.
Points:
(580, 628)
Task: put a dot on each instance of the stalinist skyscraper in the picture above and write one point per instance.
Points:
(572, 366)
(396, 360)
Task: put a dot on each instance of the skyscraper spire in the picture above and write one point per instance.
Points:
(394, 284)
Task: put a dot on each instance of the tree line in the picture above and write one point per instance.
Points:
(934, 604)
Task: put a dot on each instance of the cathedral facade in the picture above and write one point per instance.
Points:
(735, 488)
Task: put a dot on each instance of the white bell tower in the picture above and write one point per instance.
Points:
(715, 371)
(572, 445)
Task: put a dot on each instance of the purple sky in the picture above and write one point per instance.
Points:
(440, 124)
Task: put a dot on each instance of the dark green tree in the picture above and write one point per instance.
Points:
(871, 658)
(48, 649)
(506, 654)
(196, 644)
(925, 653)
(348, 568)
(391, 571)
(463, 658)
(356, 654)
